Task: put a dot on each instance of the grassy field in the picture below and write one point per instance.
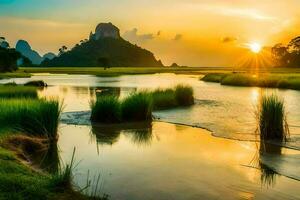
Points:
(16, 74)
(116, 71)
(268, 80)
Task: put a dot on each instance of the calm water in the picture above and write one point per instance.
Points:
(165, 161)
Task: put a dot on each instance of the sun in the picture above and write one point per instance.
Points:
(255, 47)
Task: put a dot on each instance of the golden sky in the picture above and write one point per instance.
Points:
(189, 32)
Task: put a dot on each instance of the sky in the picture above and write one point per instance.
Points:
(189, 32)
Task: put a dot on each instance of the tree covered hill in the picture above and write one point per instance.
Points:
(104, 48)
(104, 52)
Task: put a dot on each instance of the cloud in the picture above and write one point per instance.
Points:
(228, 39)
(133, 36)
(178, 37)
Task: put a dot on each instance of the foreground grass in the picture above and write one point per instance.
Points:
(28, 135)
(19, 181)
(283, 81)
(37, 117)
(272, 119)
(139, 106)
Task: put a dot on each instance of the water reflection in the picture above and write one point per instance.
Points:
(104, 91)
(48, 158)
(108, 134)
(268, 175)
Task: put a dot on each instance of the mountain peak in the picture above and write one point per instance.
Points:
(23, 45)
(24, 48)
(106, 30)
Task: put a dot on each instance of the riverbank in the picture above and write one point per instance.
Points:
(117, 71)
(30, 166)
(20, 178)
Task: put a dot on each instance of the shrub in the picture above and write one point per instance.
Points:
(271, 119)
(106, 109)
(137, 107)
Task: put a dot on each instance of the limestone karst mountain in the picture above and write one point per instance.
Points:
(104, 48)
(25, 49)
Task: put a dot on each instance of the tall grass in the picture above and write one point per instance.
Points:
(18, 92)
(106, 109)
(63, 178)
(137, 107)
(184, 95)
(164, 99)
(272, 119)
(181, 95)
(37, 117)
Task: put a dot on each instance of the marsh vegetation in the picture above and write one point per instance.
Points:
(259, 80)
(138, 106)
(271, 118)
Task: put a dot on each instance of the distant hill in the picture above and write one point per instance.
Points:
(105, 48)
(26, 51)
(24, 48)
(49, 56)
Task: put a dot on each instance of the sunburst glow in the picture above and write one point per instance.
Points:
(255, 47)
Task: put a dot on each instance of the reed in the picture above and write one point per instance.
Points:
(164, 99)
(184, 95)
(272, 123)
(137, 107)
(106, 109)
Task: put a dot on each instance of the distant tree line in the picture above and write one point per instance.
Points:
(287, 55)
(9, 57)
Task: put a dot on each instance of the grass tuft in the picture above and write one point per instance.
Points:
(184, 95)
(137, 107)
(106, 109)
(164, 99)
(272, 119)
